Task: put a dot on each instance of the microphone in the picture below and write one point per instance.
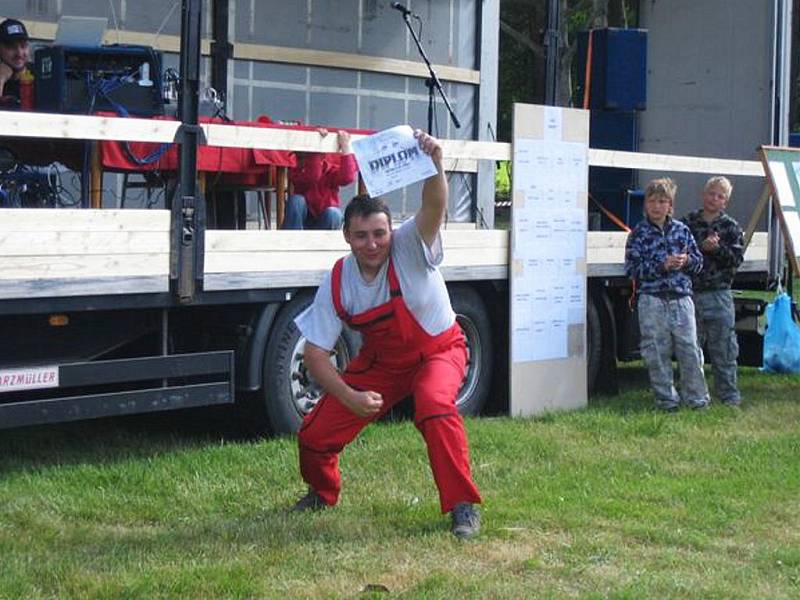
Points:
(402, 9)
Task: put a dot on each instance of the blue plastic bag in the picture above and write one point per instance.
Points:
(782, 338)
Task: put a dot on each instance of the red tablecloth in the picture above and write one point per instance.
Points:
(239, 166)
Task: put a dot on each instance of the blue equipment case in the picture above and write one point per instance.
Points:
(84, 79)
(619, 68)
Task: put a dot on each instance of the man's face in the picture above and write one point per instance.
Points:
(714, 199)
(15, 54)
(370, 240)
(657, 207)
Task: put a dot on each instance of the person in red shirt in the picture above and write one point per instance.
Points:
(316, 180)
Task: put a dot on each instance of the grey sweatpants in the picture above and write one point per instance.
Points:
(716, 320)
(667, 326)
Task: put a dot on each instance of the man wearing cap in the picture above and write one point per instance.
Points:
(14, 57)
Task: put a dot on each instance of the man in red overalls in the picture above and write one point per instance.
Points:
(390, 290)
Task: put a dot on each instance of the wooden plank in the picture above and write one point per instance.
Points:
(475, 238)
(460, 156)
(214, 282)
(311, 278)
(609, 247)
(606, 256)
(758, 211)
(476, 150)
(240, 262)
(758, 248)
(42, 30)
(459, 226)
(359, 62)
(62, 219)
(274, 241)
(669, 162)
(603, 261)
(475, 273)
(235, 136)
(25, 124)
(84, 127)
(54, 243)
(460, 165)
(282, 54)
(271, 251)
(606, 239)
(305, 241)
(475, 257)
(82, 286)
(77, 266)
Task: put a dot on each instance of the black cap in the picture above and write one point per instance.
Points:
(12, 30)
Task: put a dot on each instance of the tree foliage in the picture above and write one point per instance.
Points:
(523, 28)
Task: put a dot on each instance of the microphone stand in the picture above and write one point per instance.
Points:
(431, 82)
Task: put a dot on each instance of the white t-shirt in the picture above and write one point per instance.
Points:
(423, 287)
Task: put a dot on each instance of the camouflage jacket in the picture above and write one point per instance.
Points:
(719, 266)
(648, 247)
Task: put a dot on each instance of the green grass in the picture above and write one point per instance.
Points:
(615, 501)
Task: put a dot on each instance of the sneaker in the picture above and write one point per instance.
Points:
(311, 501)
(466, 521)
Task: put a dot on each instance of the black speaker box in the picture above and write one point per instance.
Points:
(83, 79)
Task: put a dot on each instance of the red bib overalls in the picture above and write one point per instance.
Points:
(398, 358)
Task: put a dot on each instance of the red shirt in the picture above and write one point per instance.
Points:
(319, 178)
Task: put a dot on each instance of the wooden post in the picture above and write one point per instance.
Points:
(280, 195)
(757, 213)
(95, 177)
(362, 189)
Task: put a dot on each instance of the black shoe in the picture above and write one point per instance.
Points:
(311, 501)
(466, 521)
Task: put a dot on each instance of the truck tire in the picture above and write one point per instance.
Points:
(594, 342)
(471, 314)
(289, 392)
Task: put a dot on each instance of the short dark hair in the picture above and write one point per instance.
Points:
(364, 205)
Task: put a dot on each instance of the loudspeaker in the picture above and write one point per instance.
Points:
(613, 130)
(124, 79)
(619, 68)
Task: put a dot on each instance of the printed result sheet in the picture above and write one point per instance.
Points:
(549, 246)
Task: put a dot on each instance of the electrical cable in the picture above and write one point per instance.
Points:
(163, 24)
(114, 19)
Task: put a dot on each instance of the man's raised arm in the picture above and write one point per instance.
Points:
(434, 192)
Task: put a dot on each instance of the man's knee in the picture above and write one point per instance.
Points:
(331, 218)
(295, 212)
(431, 404)
(315, 440)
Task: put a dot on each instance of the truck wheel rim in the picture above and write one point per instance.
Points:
(306, 392)
(472, 373)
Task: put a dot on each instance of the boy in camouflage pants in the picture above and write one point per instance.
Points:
(660, 256)
(722, 244)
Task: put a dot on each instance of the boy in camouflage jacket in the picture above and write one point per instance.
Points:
(721, 241)
(660, 256)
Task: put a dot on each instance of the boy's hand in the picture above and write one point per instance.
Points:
(675, 262)
(711, 243)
